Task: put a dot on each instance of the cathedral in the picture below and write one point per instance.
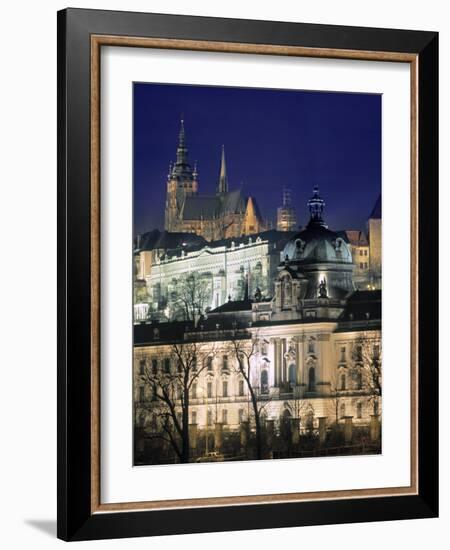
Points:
(223, 215)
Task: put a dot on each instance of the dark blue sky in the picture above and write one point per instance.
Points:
(272, 138)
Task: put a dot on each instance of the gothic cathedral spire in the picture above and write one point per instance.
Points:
(222, 186)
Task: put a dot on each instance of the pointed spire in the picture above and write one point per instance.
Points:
(222, 186)
(316, 205)
(182, 149)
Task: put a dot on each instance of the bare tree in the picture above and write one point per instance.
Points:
(366, 356)
(245, 352)
(335, 401)
(193, 295)
(171, 384)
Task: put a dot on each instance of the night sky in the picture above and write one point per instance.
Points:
(272, 138)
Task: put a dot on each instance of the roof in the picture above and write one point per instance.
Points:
(363, 306)
(272, 236)
(317, 244)
(157, 239)
(355, 237)
(196, 207)
(233, 306)
(209, 207)
(233, 202)
(210, 328)
(376, 211)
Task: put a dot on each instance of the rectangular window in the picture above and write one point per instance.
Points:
(225, 362)
(194, 417)
(209, 418)
(179, 366)
(167, 365)
(241, 387)
(209, 389)
(361, 265)
(225, 388)
(141, 393)
(194, 391)
(209, 363)
(225, 416)
(359, 410)
(241, 415)
(343, 350)
(194, 363)
(142, 367)
(376, 351)
(154, 366)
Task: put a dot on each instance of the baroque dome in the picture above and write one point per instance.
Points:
(316, 243)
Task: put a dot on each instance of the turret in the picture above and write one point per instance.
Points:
(286, 218)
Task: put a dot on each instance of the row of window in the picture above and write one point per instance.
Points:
(166, 365)
(358, 353)
(194, 390)
(363, 252)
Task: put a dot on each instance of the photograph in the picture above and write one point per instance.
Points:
(257, 274)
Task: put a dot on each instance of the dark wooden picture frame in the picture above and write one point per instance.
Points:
(81, 34)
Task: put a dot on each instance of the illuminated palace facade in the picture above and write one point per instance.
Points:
(312, 348)
(222, 241)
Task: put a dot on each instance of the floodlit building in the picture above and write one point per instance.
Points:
(308, 355)
(374, 233)
(286, 218)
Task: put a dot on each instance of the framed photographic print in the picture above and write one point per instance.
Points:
(247, 274)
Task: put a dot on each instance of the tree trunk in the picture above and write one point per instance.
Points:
(185, 444)
(257, 427)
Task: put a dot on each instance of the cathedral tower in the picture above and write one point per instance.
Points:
(182, 182)
(286, 218)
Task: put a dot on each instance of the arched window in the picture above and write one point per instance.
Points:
(264, 381)
(292, 374)
(359, 410)
(312, 379)
(342, 379)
